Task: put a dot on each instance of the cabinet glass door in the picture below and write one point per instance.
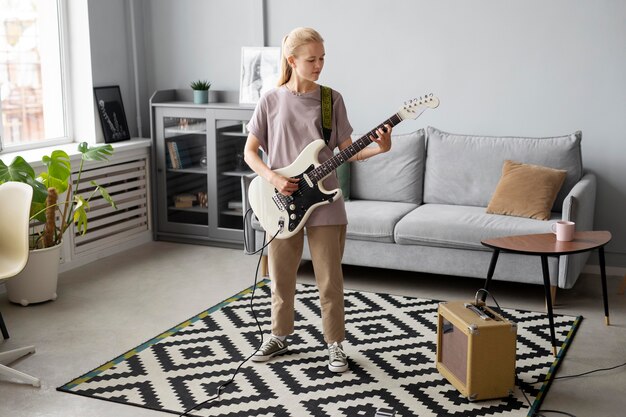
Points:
(230, 137)
(184, 174)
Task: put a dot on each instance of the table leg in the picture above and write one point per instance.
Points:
(604, 293)
(492, 268)
(546, 286)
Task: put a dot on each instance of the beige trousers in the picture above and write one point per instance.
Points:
(326, 244)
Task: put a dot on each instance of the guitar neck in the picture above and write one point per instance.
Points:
(333, 163)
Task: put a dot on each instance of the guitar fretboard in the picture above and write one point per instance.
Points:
(333, 163)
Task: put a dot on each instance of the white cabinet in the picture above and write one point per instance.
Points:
(198, 154)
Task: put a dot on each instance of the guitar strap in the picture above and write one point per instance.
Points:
(327, 113)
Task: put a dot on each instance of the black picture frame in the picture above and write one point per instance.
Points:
(111, 111)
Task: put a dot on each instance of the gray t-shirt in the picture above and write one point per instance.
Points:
(286, 123)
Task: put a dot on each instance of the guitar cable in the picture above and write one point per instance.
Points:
(221, 387)
(518, 382)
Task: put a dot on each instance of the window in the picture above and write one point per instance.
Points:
(32, 108)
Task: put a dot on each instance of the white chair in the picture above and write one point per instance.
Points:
(15, 198)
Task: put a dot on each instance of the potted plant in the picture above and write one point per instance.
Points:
(38, 281)
(200, 91)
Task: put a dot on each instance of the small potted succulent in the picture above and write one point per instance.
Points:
(200, 91)
(38, 281)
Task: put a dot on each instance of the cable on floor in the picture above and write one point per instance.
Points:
(539, 413)
(221, 387)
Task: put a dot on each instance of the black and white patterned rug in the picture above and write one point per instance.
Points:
(390, 340)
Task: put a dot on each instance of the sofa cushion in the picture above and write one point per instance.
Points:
(464, 169)
(396, 175)
(343, 175)
(526, 190)
(462, 227)
(374, 220)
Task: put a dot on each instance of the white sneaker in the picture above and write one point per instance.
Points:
(272, 347)
(337, 359)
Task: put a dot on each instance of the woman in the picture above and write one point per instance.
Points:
(285, 121)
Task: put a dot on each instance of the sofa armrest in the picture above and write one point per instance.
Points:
(579, 207)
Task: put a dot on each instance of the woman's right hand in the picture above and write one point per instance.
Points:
(284, 185)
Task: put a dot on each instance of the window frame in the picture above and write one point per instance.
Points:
(64, 62)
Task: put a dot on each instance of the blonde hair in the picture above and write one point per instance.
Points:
(294, 40)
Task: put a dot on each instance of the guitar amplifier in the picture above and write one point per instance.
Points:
(476, 350)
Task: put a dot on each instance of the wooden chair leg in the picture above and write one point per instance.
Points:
(623, 287)
(264, 268)
(552, 296)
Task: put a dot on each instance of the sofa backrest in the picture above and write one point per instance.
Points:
(464, 169)
(396, 175)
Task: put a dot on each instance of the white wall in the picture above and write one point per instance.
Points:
(195, 39)
(111, 58)
(522, 68)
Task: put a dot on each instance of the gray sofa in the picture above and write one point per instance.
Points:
(422, 206)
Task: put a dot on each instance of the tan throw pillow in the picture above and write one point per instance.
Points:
(526, 190)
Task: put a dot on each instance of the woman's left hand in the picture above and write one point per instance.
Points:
(384, 139)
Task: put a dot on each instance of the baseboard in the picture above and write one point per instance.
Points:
(82, 260)
(610, 270)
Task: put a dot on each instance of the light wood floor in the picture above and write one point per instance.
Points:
(116, 303)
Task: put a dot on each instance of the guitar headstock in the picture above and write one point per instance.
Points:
(416, 106)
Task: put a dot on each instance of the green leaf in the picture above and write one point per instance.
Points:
(19, 171)
(58, 172)
(38, 203)
(52, 182)
(97, 153)
(200, 85)
(80, 214)
(105, 194)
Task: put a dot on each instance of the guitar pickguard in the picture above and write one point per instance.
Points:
(297, 205)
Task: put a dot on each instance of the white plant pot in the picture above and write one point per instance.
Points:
(38, 280)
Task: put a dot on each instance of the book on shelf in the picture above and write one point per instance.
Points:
(179, 155)
(171, 153)
(184, 158)
(184, 200)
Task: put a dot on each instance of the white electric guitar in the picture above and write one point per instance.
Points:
(283, 216)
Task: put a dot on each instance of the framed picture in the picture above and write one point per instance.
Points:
(260, 69)
(111, 112)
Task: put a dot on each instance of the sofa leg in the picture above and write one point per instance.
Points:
(552, 296)
(264, 269)
(623, 287)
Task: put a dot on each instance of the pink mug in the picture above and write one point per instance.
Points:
(564, 230)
